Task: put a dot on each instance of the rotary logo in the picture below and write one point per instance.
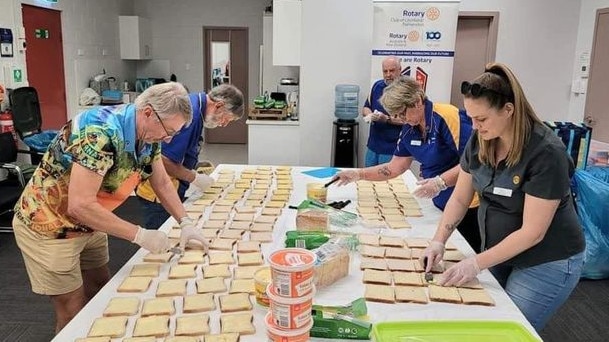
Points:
(413, 36)
(433, 13)
(516, 180)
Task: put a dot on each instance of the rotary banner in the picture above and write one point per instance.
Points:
(422, 35)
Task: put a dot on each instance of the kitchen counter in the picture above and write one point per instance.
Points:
(273, 122)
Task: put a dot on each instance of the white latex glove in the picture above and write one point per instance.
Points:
(378, 116)
(203, 181)
(190, 232)
(434, 253)
(460, 273)
(152, 240)
(347, 176)
(430, 187)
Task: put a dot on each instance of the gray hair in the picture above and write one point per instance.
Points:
(166, 99)
(402, 93)
(231, 96)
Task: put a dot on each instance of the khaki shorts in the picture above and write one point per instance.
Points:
(54, 265)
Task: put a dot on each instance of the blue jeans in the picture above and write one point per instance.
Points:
(538, 291)
(373, 158)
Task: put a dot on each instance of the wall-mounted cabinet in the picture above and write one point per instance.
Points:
(286, 32)
(135, 37)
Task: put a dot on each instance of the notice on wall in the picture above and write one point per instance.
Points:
(422, 35)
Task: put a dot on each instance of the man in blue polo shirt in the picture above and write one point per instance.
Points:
(384, 130)
(221, 106)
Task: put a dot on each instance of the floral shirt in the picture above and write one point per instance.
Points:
(103, 140)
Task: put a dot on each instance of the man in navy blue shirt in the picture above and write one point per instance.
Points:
(384, 130)
(221, 106)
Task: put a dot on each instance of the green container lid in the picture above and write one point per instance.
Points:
(451, 331)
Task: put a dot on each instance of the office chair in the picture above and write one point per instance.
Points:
(11, 187)
(27, 120)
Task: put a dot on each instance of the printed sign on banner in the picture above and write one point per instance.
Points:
(422, 35)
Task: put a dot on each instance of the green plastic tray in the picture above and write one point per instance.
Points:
(451, 331)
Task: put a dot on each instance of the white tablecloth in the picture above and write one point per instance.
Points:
(340, 293)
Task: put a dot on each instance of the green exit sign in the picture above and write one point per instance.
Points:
(41, 33)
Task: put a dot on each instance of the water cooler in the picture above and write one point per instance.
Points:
(345, 128)
(345, 143)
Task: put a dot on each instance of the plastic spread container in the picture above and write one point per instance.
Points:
(277, 335)
(317, 191)
(453, 331)
(292, 271)
(290, 313)
(262, 278)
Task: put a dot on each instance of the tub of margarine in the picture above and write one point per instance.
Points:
(262, 279)
(275, 334)
(292, 271)
(290, 313)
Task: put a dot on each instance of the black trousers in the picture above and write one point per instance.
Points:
(470, 229)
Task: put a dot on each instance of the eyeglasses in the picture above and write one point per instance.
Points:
(477, 89)
(169, 135)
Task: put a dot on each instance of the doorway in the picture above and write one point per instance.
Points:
(226, 61)
(44, 62)
(475, 46)
(596, 101)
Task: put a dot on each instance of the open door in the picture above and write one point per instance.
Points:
(226, 57)
(596, 113)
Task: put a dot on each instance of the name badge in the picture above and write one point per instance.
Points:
(415, 142)
(502, 191)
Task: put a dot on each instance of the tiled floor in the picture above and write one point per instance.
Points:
(224, 153)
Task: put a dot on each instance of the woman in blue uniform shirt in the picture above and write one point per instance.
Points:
(434, 134)
(532, 240)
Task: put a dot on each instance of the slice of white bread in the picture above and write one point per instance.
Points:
(245, 272)
(397, 253)
(122, 306)
(135, 284)
(109, 326)
(145, 270)
(171, 287)
(408, 278)
(250, 259)
(410, 294)
(377, 277)
(235, 302)
(157, 326)
(158, 307)
(224, 257)
(444, 294)
(379, 293)
(242, 286)
(192, 325)
(182, 271)
(476, 297)
(226, 337)
(199, 303)
(391, 241)
(238, 323)
(211, 285)
(373, 264)
(213, 271)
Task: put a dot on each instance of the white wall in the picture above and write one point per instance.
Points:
(88, 25)
(336, 40)
(537, 40)
(585, 34)
(177, 33)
